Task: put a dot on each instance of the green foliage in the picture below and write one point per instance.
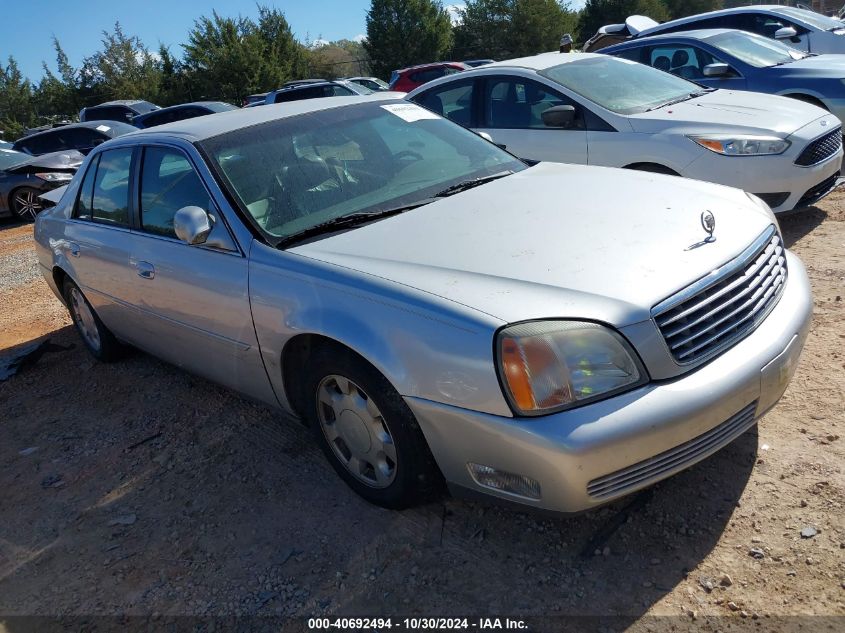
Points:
(598, 13)
(503, 29)
(402, 33)
(16, 111)
(343, 58)
(683, 8)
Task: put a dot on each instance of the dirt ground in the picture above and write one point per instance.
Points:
(137, 489)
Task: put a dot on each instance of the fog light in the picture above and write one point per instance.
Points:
(490, 477)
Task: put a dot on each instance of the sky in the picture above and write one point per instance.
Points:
(79, 25)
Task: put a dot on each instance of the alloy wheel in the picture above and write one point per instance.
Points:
(26, 204)
(84, 318)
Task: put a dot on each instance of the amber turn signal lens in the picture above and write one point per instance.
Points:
(516, 375)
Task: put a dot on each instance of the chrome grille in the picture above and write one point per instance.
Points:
(654, 468)
(820, 149)
(722, 308)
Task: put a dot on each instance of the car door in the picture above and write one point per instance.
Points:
(511, 113)
(97, 240)
(193, 298)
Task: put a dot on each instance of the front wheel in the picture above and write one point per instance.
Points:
(25, 204)
(367, 432)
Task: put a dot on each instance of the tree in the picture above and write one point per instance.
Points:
(503, 29)
(16, 107)
(59, 97)
(598, 13)
(683, 8)
(402, 33)
(124, 69)
(230, 58)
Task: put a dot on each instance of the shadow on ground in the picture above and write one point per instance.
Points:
(796, 225)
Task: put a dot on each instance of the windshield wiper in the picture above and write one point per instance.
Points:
(469, 184)
(347, 221)
(686, 97)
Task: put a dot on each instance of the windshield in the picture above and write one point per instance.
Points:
(755, 50)
(293, 173)
(812, 18)
(620, 85)
(10, 158)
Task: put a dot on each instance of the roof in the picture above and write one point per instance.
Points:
(537, 62)
(429, 65)
(123, 128)
(204, 127)
(696, 34)
(205, 104)
(125, 102)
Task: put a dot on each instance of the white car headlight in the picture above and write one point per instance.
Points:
(55, 176)
(549, 366)
(743, 145)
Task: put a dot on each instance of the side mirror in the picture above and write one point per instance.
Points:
(785, 33)
(192, 225)
(562, 116)
(716, 70)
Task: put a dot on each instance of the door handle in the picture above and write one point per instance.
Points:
(73, 247)
(145, 270)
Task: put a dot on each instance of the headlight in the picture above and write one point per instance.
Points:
(55, 176)
(743, 145)
(549, 366)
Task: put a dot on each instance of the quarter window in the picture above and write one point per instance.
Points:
(85, 202)
(110, 203)
(168, 183)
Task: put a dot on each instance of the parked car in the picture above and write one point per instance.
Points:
(806, 30)
(257, 99)
(373, 83)
(474, 63)
(180, 112)
(316, 90)
(79, 136)
(429, 304)
(24, 178)
(611, 34)
(407, 79)
(5, 145)
(122, 110)
(603, 110)
(737, 60)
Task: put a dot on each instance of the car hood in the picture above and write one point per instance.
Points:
(821, 66)
(555, 241)
(66, 160)
(728, 110)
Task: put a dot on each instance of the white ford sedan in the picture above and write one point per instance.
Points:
(596, 110)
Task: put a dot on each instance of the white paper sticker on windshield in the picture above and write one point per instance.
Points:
(409, 112)
(103, 128)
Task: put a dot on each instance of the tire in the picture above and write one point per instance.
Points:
(366, 430)
(100, 342)
(25, 204)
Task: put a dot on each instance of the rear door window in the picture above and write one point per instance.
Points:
(110, 200)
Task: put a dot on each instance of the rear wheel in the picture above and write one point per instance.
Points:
(25, 204)
(366, 430)
(97, 338)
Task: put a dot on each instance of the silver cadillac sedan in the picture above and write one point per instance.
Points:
(556, 336)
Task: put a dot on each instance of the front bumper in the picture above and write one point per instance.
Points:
(591, 455)
(767, 174)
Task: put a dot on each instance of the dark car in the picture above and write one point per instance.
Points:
(407, 79)
(257, 99)
(180, 113)
(79, 136)
(123, 111)
(23, 178)
(316, 90)
(475, 63)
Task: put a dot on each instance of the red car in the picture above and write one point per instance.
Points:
(407, 79)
